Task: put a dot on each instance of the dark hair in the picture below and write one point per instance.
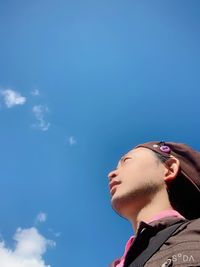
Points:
(181, 193)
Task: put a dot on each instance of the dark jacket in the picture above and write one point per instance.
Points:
(182, 249)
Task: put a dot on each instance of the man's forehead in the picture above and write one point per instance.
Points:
(129, 153)
(133, 152)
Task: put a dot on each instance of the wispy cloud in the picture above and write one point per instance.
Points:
(41, 217)
(12, 98)
(39, 111)
(72, 141)
(35, 92)
(30, 246)
(56, 234)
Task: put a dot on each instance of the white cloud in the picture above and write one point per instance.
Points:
(35, 92)
(39, 111)
(28, 251)
(72, 141)
(41, 217)
(12, 98)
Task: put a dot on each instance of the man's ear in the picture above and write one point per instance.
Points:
(172, 168)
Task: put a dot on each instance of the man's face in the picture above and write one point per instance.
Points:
(138, 177)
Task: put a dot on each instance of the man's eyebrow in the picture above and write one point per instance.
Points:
(120, 161)
(122, 158)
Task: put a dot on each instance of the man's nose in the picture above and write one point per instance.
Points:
(112, 174)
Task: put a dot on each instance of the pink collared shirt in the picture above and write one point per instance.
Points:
(160, 215)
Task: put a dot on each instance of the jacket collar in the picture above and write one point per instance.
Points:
(160, 224)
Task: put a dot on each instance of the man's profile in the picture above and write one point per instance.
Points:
(156, 187)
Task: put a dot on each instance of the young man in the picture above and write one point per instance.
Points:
(156, 186)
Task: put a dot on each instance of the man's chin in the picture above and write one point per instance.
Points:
(119, 204)
(123, 204)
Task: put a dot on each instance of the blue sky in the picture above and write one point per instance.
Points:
(82, 82)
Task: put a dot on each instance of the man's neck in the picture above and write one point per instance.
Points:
(158, 204)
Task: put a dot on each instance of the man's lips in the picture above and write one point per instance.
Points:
(113, 184)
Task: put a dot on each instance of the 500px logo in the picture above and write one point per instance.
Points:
(178, 258)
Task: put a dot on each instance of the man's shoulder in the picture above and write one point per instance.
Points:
(195, 222)
(188, 231)
(191, 228)
(187, 226)
(184, 241)
(181, 249)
